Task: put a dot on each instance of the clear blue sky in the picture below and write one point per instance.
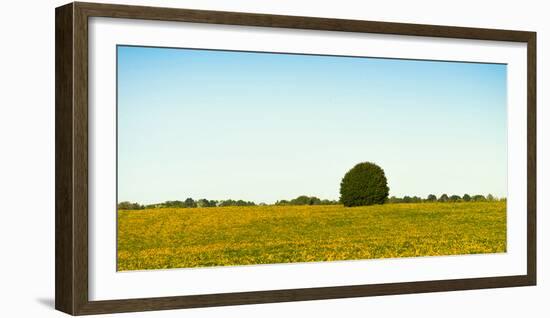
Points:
(264, 127)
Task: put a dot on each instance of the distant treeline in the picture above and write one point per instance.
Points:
(301, 200)
(305, 200)
(188, 203)
(445, 198)
(204, 203)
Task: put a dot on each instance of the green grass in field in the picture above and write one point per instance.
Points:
(172, 238)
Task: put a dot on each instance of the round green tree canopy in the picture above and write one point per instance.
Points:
(364, 184)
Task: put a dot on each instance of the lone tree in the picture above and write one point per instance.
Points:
(364, 184)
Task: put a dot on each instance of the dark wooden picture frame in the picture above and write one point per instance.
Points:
(71, 157)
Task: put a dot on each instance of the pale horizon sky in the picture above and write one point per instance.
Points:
(265, 126)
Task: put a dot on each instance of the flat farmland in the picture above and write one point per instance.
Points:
(221, 236)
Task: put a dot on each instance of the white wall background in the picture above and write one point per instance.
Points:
(27, 158)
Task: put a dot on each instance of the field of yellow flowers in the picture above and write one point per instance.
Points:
(218, 236)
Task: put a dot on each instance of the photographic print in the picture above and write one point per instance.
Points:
(229, 158)
(213, 158)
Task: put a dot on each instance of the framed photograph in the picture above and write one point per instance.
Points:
(208, 158)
